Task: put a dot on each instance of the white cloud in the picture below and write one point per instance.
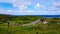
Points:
(18, 3)
(37, 6)
(56, 3)
(54, 9)
(14, 5)
(54, 12)
(29, 12)
(22, 7)
(45, 8)
(29, 3)
(8, 11)
(2, 10)
(5, 11)
(26, 12)
(45, 12)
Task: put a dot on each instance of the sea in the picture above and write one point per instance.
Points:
(49, 16)
(45, 16)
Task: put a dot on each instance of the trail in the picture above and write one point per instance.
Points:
(32, 23)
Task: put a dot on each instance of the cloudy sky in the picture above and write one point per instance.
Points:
(30, 7)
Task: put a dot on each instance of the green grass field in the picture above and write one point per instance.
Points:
(41, 29)
(51, 28)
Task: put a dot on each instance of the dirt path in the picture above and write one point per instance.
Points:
(32, 23)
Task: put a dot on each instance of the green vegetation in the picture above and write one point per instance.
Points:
(52, 27)
(41, 29)
(19, 19)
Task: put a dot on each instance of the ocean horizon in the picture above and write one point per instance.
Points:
(45, 16)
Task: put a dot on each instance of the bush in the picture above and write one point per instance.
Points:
(52, 21)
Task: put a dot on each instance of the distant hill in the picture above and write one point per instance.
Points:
(4, 18)
(46, 16)
(24, 18)
(21, 19)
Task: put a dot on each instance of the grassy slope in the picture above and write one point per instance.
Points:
(19, 19)
(42, 29)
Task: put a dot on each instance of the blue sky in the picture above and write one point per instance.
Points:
(30, 7)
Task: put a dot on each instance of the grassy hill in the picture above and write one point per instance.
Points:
(52, 27)
(20, 19)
